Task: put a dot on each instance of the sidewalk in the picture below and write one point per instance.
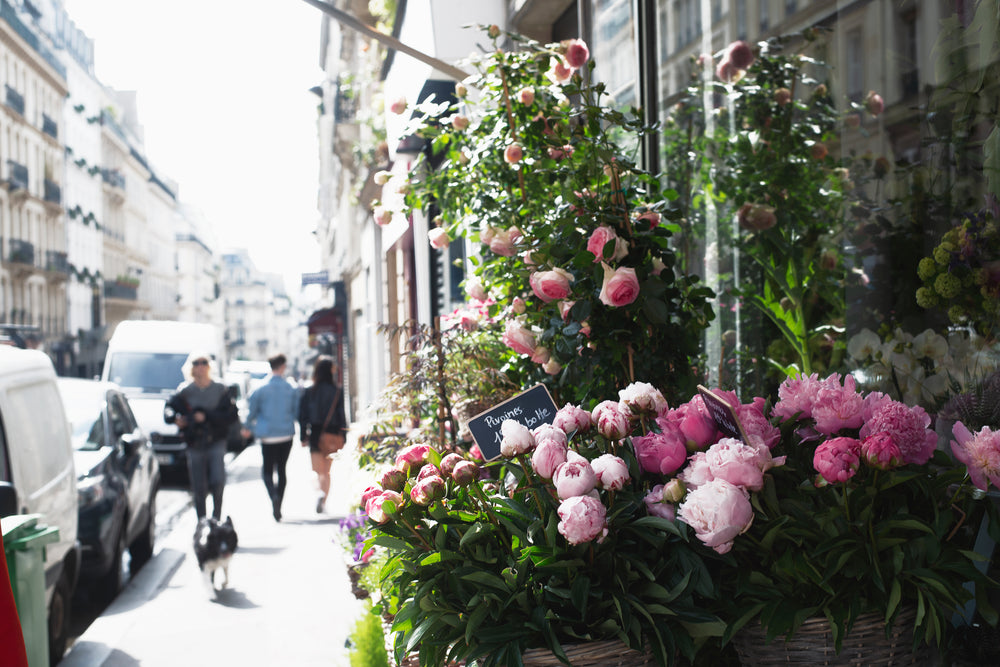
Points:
(288, 600)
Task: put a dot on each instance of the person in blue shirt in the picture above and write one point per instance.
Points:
(274, 408)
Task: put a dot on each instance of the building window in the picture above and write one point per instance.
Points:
(855, 65)
(741, 19)
(765, 16)
(790, 7)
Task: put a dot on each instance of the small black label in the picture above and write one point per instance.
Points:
(723, 414)
(532, 408)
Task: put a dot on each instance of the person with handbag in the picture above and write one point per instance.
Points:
(273, 410)
(322, 424)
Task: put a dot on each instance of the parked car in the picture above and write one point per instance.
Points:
(118, 477)
(37, 475)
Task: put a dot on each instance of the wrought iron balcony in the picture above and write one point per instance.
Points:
(50, 127)
(22, 252)
(113, 177)
(120, 291)
(53, 192)
(17, 175)
(14, 99)
(55, 260)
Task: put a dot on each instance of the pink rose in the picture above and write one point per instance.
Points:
(551, 285)
(575, 477)
(527, 96)
(756, 217)
(726, 71)
(513, 153)
(465, 473)
(718, 512)
(837, 460)
(576, 53)
(611, 471)
(518, 338)
(572, 419)
(552, 367)
(502, 241)
(874, 103)
(438, 238)
(382, 215)
(412, 457)
(661, 453)
(559, 71)
(548, 455)
(474, 288)
(427, 490)
(459, 122)
(611, 420)
(582, 519)
(560, 152)
(564, 307)
(517, 439)
(880, 451)
(398, 106)
(602, 236)
(740, 54)
(658, 505)
(651, 218)
(620, 288)
(541, 355)
(517, 306)
(980, 452)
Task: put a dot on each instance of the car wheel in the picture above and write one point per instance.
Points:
(141, 549)
(59, 619)
(107, 586)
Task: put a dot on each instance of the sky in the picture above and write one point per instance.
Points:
(223, 97)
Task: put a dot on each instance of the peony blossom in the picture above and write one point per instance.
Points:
(575, 477)
(611, 419)
(548, 455)
(756, 425)
(697, 472)
(427, 490)
(641, 398)
(661, 453)
(979, 452)
(740, 464)
(465, 473)
(516, 438)
(880, 451)
(695, 423)
(837, 407)
(438, 238)
(837, 460)
(518, 338)
(513, 153)
(377, 511)
(718, 512)
(796, 397)
(412, 457)
(658, 505)
(908, 426)
(611, 471)
(572, 419)
(551, 285)
(582, 519)
(620, 288)
(369, 493)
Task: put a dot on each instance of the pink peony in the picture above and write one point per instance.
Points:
(572, 418)
(756, 425)
(611, 419)
(979, 452)
(517, 439)
(658, 505)
(611, 471)
(392, 479)
(369, 493)
(438, 238)
(796, 397)
(576, 53)
(428, 470)
(412, 457)
(427, 490)
(718, 512)
(698, 471)
(620, 288)
(465, 473)
(837, 460)
(551, 285)
(739, 464)
(695, 422)
(661, 453)
(880, 451)
(908, 426)
(837, 407)
(377, 511)
(575, 477)
(513, 153)
(548, 455)
(449, 462)
(582, 519)
(518, 338)
(641, 398)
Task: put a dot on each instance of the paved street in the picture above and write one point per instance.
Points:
(288, 601)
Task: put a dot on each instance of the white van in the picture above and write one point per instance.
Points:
(37, 474)
(145, 358)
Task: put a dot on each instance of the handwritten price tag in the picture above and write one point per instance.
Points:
(532, 408)
(723, 414)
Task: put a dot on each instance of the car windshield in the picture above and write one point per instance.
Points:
(150, 372)
(85, 410)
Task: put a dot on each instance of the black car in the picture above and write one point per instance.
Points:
(117, 480)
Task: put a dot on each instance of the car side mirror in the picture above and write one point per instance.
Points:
(8, 499)
(131, 442)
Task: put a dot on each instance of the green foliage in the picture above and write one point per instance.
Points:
(368, 641)
(574, 177)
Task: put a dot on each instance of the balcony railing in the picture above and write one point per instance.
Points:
(345, 108)
(50, 127)
(108, 121)
(9, 14)
(17, 175)
(53, 192)
(14, 99)
(120, 291)
(55, 260)
(22, 252)
(113, 177)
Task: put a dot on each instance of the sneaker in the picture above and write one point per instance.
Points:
(319, 505)
(277, 511)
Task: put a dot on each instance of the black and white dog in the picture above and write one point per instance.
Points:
(214, 544)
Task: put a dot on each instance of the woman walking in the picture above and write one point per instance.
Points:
(274, 407)
(321, 410)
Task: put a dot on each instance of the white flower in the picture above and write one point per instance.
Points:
(863, 344)
(930, 344)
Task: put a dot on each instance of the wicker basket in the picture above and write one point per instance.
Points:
(812, 644)
(590, 654)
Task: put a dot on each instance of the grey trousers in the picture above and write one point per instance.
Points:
(207, 473)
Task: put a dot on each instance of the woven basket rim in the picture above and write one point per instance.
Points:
(603, 653)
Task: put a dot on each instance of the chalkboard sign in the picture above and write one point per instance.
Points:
(723, 414)
(532, 408)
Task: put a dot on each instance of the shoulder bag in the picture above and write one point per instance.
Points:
(331, 443)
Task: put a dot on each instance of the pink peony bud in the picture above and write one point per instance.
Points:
(657, 504)
(575, 477)
(881, 451)
(517, 439)
(612, 472)
(382, 506)
(393, 479)
(465, 473)
(837, 460)
(370, 492)
(611, 419)
(427, 490)
(449, 461)
(572, 419)
(428, 470)
(548, 455)
(412, 457)
(582, 519)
